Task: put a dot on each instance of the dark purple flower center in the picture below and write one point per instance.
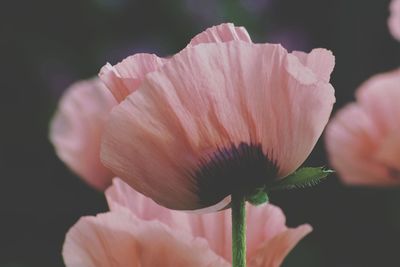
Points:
(230, 170)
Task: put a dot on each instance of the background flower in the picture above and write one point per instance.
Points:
(394, 19)
(137, 231)
(77, 127)
(363, 139)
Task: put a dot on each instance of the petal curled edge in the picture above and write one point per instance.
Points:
(76, 129)
(266, 223)
(120, 239)
(274, 251)
(319, 60)
(222, 33)
(126, 76)
(210, 96)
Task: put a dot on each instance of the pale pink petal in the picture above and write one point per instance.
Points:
(214, 227)
(363, 139)
(120, 195)
(389, 154)
(119, 239)
(320, 61)
(221, 205)
(264, 223)
(379, 97)
(222, 33)
(274, 251)
(212, 96)
(394, 19)
(126, 76)
(76, 130)
(350, 140)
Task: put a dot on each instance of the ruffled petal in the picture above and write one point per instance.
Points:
(319, 60)
(209, 97)
(274, 251)
(214, 227)
(76, 130)
(119, 239)
(126, 76)
(122, 196)
(222, 33)
(265, 223)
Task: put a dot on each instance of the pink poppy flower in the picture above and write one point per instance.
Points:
(76, 130)
(223, 115)
(394, 19)
(363, 139)
(138, 232)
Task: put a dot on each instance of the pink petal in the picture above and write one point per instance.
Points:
(211, 96)
(320, 61)
(274, 251)
(379, 97)
(214, 227)
(350, 141)
(125, 77)
(394, 19)
(76, 130)
(265, 223)
(122, 196)
(222, 33)
(363, 139)
(119, 239)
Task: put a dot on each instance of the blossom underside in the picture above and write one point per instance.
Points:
(179, 136)
(234, 170)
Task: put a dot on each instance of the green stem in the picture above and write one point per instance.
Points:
(238, 231)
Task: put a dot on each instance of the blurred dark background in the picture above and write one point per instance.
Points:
(45, 45)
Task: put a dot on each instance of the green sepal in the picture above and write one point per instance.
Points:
(303, 177)
(259, 197)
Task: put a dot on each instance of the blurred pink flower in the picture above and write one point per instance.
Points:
(223, 114)
(363, 139)
(394, 19)
(138, 232)
(76, 130)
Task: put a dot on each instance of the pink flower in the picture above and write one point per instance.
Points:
(138, 232)
(394, 19)
(363, 139)
(222, 115)
(76, 130)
